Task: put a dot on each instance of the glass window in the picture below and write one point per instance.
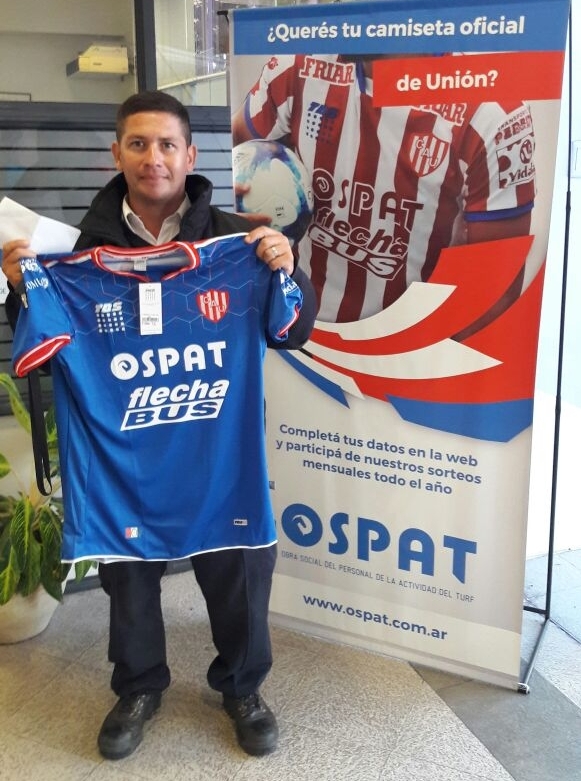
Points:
(191, 50)
(192, 47)
(67, 52)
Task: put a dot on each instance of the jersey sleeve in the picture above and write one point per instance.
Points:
(267, 108)
(286, 300)
(499, 155)
(43, 326)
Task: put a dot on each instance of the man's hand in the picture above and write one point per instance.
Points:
(12, 254)
(256, 218)
(273, 248)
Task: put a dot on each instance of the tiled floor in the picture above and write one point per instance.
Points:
(343, 713)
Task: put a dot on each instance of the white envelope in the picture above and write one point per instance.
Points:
(45, 234)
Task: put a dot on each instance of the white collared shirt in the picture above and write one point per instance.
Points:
(169, 229)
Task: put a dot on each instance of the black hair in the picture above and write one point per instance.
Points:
(153, 100)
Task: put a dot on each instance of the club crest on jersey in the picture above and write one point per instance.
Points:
(213, 304)
(426, 152)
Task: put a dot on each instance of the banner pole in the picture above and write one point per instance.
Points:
(546, 611)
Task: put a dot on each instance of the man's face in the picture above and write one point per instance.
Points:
(155, 158)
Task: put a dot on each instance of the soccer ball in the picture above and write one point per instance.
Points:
(279, 185)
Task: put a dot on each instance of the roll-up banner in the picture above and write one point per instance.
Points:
(408, 151)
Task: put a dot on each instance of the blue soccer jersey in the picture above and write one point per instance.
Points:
(157, 357)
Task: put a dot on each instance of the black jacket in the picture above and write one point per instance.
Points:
(104, 224)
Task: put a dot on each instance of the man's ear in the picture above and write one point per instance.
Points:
(116, 156)
(192, 155)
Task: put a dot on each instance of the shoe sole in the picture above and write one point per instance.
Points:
(257, 751)
(112, 756)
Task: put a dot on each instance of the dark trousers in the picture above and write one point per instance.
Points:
(236, 586)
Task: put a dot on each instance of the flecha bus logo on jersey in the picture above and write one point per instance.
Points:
(213, 304)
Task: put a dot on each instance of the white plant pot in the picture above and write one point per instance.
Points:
(24, 617)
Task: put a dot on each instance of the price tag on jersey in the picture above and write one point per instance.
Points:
(150, 319)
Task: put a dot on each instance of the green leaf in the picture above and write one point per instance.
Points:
(5, 467)
(21, 530)
(7, 506)
(51, 533)
(16, 403)
(9, 577)
(81, 569)
(52, 571)
(5, 548)
(50, 423)
(4, 536)
(53, 583)
(30, 573)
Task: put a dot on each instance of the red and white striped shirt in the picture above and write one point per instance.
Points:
(392, 185)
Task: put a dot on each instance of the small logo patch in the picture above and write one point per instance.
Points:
(131, 532)
(109, 317)
(213, 304)
(240, 521)
(426, 152)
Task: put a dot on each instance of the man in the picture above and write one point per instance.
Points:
(393, 186)
(151, 201)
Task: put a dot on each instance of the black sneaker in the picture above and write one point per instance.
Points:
(256, 727)
(122, 729)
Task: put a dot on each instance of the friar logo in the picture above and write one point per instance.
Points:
(213, 304)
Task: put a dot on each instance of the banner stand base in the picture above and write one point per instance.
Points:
(523, 686)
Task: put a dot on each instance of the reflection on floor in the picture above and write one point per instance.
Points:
(343, 713)
(565, 605)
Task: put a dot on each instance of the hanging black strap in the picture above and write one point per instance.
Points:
(38, 431)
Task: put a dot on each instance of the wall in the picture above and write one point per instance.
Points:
(47, 40)
(73, 17)
(46, 57)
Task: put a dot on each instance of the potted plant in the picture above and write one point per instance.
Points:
(31, 573)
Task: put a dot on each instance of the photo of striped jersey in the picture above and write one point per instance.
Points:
(157, 363)
(393, 185)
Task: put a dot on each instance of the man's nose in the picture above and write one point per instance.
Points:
(153, 154)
